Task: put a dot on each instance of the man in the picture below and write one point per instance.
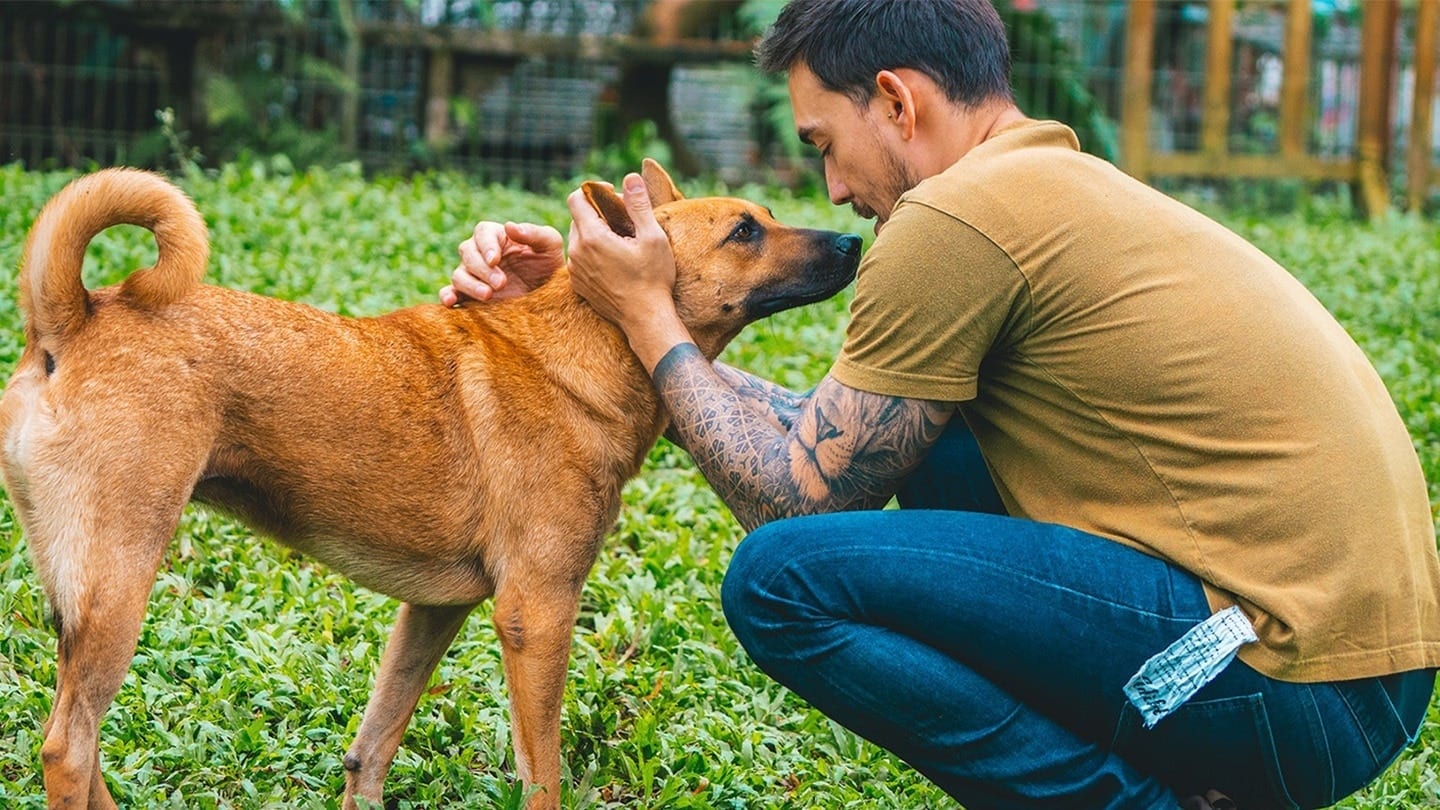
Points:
(1163, 532)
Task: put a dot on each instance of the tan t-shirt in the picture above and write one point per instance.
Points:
(1133, 369)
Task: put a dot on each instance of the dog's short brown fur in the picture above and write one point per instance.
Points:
(440, 456)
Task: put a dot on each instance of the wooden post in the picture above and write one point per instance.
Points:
(1418, 163)
(1219, 55)
(350, 66)
(1139, 73)
(1377, 61)
(1295, 81)
(439, 87)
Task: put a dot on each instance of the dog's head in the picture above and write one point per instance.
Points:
(734, 263)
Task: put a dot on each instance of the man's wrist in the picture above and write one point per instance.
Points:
(656, 340)
(654, 330)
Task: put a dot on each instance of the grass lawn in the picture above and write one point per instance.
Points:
(255, 663)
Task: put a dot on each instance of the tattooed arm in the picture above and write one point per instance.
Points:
(847, 449)
(778, 404)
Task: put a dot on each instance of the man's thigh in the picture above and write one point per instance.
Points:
(1059, 618)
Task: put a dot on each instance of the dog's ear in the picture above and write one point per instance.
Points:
(657, 181)
(609, 206)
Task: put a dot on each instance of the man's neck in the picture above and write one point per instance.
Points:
(970, 127)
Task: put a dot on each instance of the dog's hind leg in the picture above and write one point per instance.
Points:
(421, 636)
(535, 622)
(103, 581)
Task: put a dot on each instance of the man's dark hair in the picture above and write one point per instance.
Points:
(959, 44)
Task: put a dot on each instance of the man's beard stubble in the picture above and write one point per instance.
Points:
(901, 178)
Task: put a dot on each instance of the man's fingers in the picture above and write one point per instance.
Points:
(475, 265)
(469, 286)
(540, 238)
(637, 198)
(488, 239)
(637, 202)
(584, 219)
(578, 205)
(470, 255)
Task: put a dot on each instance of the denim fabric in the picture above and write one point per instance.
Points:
(989, 652)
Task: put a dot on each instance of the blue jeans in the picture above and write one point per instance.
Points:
(989, 652)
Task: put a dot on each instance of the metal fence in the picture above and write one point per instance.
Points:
(526, 90)
(520, 90)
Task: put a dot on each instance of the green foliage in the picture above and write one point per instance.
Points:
(641, 141)
(252, 109)
(255, 662)
(1049, 82)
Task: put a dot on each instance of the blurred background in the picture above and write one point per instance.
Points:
(523, 91)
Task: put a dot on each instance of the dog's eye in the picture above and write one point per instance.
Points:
(746, 231)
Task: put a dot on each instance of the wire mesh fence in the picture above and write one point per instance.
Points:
(526, 90)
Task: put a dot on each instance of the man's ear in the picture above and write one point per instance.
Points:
(899, 94)
(657, 181)
(609, 206)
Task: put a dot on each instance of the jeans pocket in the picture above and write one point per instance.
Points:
(1225, 744)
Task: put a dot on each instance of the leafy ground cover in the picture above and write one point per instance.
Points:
(255, 663)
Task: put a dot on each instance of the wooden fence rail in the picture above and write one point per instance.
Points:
(81, 79)
(1366, 167)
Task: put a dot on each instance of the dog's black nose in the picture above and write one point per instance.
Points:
(848, 243)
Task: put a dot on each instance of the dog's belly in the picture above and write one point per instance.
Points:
(433, 561)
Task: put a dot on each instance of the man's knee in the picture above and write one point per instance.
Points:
(746, 595)
(737, 591)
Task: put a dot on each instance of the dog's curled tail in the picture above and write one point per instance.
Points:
(51, 291)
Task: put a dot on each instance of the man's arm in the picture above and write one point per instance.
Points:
(846, 450)
(776, 403)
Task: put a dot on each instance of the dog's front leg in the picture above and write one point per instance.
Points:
(421, 636)
(535, 621)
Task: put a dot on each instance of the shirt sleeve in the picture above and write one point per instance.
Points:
(932, 298)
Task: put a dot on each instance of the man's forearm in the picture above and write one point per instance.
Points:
(776, 403)
(763, 472)
(739, 450)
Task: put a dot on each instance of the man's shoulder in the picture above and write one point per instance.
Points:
(1024, 176)
(1015, 149)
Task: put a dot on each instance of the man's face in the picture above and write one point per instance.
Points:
(862, 165)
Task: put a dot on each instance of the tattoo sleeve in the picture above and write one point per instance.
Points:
(841, 449)
(777, 403)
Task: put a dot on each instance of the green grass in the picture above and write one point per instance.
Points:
(255, 663)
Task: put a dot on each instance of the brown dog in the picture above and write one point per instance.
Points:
(440, 456)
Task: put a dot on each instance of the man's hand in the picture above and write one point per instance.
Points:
(629, 280)
(504, 261)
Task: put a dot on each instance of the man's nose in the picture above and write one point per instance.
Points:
(839, 192)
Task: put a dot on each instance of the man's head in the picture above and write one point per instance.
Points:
(877, 85)
(959, 44)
